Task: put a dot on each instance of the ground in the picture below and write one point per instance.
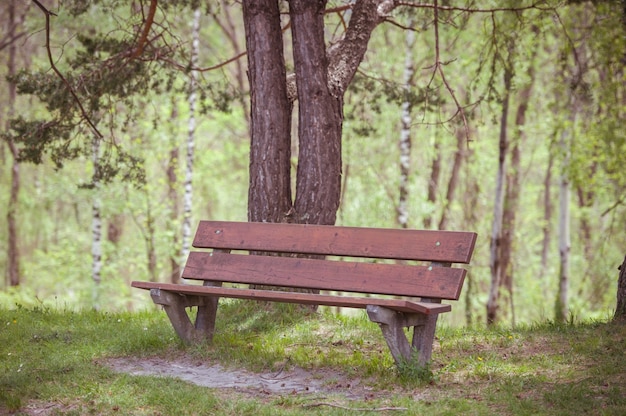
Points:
(292, 381)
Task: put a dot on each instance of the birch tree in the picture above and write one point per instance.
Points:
(405, 130)
(191, 132)
(96, 225)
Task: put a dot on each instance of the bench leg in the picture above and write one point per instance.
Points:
(175, 307)
(392, 324)
(207, 313)
(424, 337)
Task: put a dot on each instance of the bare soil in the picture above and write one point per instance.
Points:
(213, 375)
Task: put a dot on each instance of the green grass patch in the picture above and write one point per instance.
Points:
(54, 359)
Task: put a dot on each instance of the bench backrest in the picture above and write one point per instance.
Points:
(439, 247)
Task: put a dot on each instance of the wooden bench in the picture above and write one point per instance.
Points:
(401, 283)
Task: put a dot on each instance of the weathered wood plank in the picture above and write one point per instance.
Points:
(302, 298)
(378, 278)
(438, 246)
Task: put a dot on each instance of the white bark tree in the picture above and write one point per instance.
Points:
(405, 131)
(191, 132)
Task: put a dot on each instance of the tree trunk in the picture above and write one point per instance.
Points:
(322, 78)
(561, 303)
(13, 254)
(433, 182)
(96, 227)
(459, 155)
(620, 309)
(191, 132)
(405, 132)
(511, 205)
(496, 231)
(547, 215)
(320, 118)
(176, 258)
(269, 193)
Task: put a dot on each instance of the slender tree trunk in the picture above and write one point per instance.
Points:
(496, 230)
(96, 227)
(150, 244)
(172, 192)
(471, 218)
(188, 196)
(459, 155)
(405, 131)
(511, 205)
(561, 303)
(433, 182)
(547, 215)
(620, 309)
(13, 254)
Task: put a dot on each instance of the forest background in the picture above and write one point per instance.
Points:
(500, 117)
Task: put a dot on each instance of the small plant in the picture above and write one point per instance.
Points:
(411, 372)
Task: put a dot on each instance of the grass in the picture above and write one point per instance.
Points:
(52, 361)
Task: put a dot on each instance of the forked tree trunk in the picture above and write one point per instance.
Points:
(321, 78)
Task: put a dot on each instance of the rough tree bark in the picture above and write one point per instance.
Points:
(269, 193)
(320, 118)
(321, 78)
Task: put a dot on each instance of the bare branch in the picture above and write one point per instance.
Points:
(536, 6)
(439, 69)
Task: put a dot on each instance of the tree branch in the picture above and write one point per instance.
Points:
(439, 69)
(47, 13)
(141, 43)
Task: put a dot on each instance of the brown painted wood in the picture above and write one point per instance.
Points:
(402, 305)
(437, 246)
(377, 278)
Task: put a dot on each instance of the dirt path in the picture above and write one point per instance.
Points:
(292, 381)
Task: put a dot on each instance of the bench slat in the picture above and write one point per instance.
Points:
(301, 298)
(414, 281)
(438, 246)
